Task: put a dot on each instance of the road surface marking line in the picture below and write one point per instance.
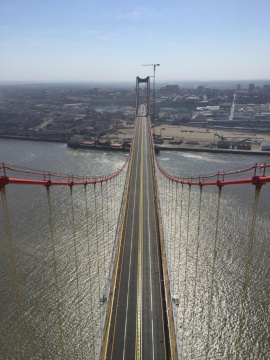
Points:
(149, 252)
(132, 235)
(156, 205)
(139, 287)
(117, 263)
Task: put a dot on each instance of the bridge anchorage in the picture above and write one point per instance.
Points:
(137, 271)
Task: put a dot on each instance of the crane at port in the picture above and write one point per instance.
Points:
(242, 144)
(154, 66)
(221, 137)
(223, 142)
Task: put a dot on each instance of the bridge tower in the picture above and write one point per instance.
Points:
(138, 81)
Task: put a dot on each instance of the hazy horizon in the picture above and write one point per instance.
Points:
(56, 41)
(132, 84)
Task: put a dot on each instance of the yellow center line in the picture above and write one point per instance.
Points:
(139, 287)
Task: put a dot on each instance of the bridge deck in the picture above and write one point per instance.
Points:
(137, 328)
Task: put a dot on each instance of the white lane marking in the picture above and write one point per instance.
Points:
(132, 233)
(149, 252)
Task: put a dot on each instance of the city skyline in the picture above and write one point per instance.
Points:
(61, 41)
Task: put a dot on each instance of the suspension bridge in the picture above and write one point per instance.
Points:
(128, 277)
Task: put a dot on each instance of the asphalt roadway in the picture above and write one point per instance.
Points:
(137, 329)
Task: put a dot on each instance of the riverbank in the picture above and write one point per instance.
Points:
(213, 150)
(32, 138)
(161, 147)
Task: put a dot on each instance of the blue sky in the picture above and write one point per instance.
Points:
(110, 40)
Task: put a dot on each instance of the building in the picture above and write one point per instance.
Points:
(265, 146)
(201, 89)
(170, 89)
(251, 88)
(266, 88)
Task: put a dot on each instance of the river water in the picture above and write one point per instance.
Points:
(209, 293)
(68, 297)
(30, 233)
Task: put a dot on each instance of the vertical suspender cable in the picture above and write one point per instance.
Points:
(14, 275)
(56, 282)
(111, 206)
(114, 200)
(93, 337)
(119, 187)
(167, 220)
(115, 188)
(165, 214)
(118, 204)
(103, 237)
(246, 281)
(174, 238)
(168, 215)
(119, 197)
(76, 270)
(108, 225)
(162, 193)
(171, 227)
(179, 255)
(97, 244)
(180, 238)
(210, 301)
(186, 263)
(196, 272)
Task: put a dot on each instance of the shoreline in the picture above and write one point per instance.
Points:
(161, 148)
(220, 151)
(14, 137)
